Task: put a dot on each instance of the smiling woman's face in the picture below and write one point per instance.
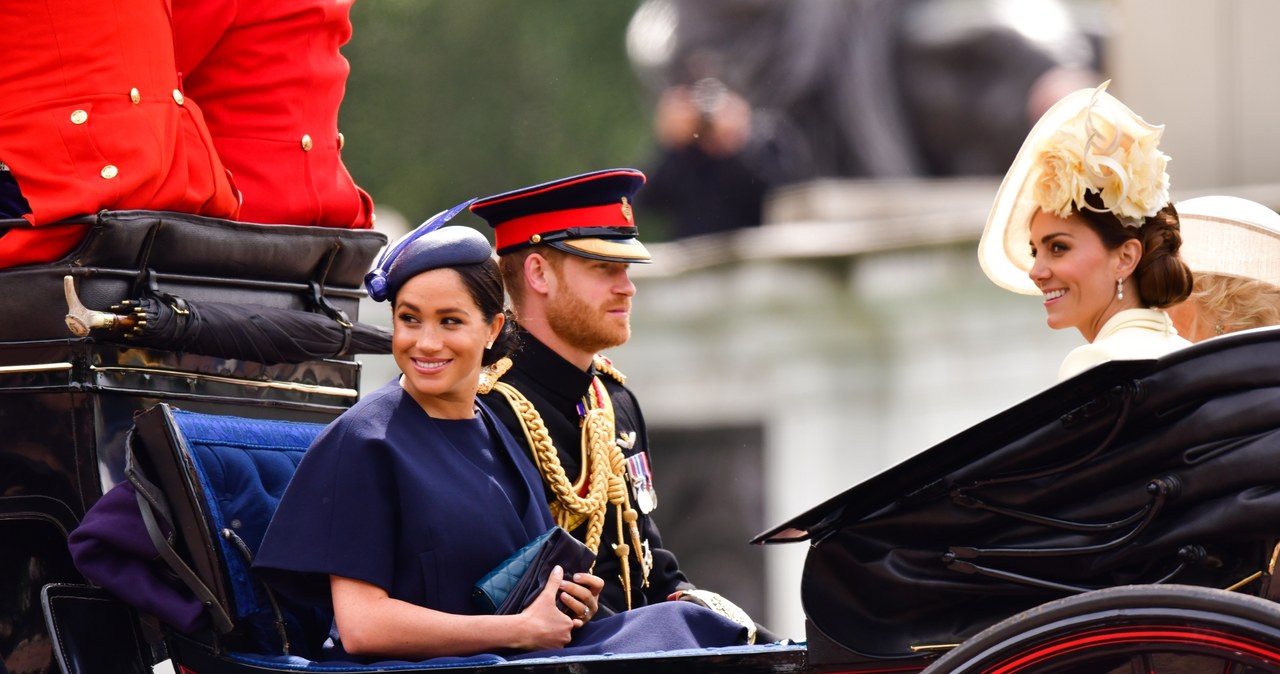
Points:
(438, 339)
(1076, 273)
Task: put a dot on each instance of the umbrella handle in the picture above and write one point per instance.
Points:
(81, 319)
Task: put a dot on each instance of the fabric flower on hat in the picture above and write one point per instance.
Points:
(1062, 176)
(1148, 181)
(1108, 150)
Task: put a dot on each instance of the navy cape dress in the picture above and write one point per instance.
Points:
(423, 508)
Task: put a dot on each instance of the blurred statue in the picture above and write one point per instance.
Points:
(757, 93)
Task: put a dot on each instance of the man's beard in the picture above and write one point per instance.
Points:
(585, 327)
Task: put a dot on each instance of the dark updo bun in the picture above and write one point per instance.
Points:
(1161, 276)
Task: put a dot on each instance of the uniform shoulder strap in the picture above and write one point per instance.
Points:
(605, 366)
(490, 374)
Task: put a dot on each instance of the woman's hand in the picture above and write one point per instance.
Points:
(544, 625)
(581, 596)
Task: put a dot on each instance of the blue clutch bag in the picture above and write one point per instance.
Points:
(512, 585)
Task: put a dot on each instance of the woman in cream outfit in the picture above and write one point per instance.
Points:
(1083, 220)
(1233, 248)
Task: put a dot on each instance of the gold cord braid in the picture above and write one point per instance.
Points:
(597, 436)
(619, 495)
(602, 462)
(490, 375)
(568, 508)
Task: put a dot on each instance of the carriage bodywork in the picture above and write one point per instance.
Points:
(67, 404)
(1136, 473)
(885, 587)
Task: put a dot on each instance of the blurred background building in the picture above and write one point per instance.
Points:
(815, 312)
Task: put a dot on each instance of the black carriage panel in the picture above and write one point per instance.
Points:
(93, 632)
(1141, 472)
(24, 569)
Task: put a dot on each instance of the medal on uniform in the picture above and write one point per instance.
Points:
(642, 480)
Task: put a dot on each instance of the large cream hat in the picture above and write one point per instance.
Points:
(1088, 141)
(1230, 236)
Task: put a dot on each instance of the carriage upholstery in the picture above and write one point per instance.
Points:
(220, 479)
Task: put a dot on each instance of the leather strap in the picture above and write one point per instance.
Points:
(150, 500)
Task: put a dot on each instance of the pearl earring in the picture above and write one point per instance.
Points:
(1119, 288)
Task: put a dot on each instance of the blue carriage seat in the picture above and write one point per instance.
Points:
(217, 480)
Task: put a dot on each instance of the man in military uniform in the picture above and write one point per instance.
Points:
(564, 249)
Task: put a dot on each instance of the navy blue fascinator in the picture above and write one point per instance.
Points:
(429, 246)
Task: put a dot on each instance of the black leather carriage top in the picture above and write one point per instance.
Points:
(193, 257)
(1134, 472)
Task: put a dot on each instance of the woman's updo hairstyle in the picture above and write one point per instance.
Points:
(1163, 279)
(484, 283)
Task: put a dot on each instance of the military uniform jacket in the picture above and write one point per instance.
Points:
(556, 387)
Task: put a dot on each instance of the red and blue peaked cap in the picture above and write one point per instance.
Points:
(588, 215)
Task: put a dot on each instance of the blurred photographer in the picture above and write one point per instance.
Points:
(718, 157)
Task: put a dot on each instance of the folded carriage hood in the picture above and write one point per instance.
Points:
(1133, 472)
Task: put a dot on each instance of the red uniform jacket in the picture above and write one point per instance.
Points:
(92, 117)
(270, 79)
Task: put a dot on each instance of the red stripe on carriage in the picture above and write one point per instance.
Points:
(1165, 635)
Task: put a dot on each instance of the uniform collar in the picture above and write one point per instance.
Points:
(545, 370)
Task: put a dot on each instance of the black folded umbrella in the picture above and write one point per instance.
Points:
(241, 331)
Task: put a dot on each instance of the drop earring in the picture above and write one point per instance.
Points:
(1119, 289)
(488, 346)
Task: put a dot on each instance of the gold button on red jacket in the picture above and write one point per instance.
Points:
(269, 77)
(66, 114)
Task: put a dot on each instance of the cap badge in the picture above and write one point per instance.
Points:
(626, 211)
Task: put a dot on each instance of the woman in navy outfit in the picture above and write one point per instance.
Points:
(415, 493)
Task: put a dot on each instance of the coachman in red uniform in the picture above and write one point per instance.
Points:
(98, 110)
(92, 117)
(270, 79)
